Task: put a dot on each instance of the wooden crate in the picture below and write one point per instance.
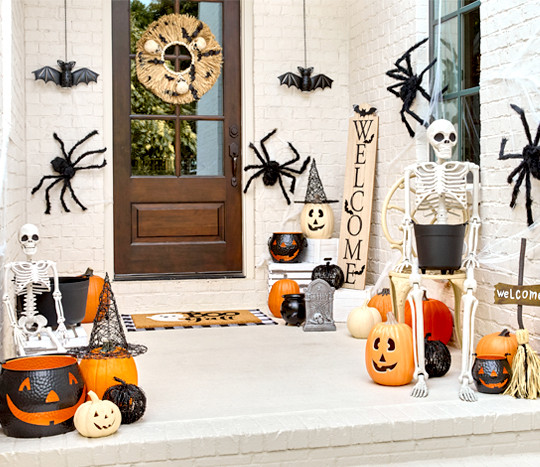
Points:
(318, 249)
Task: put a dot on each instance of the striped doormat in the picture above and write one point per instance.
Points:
(195, 319)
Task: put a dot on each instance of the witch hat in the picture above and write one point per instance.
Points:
(108, 338)
(315, 192)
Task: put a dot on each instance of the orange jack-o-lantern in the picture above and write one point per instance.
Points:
(285, 247)
(389, 353)
(39, 395)
(317, 220)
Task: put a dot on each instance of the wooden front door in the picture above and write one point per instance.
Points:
(177, 189)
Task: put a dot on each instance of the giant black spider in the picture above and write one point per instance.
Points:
(272, 170)
(530, 165)
(67, 170)
(409, 84)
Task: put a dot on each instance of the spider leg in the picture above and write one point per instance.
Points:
(45, 177)
(523, 121)
(528, 199)
(283, 189)
(392, 89)
(404, 120)
(94, 166)
(416, 117)
(503, 156)
(257, 153)
(537, 137)
(424, 93)
(515, 191)
(293, 181)
(255, 175)
(264, 140)
(421, 75)
(47, 196)
(515, 171)
(249, 167)
(62, 193)
(297, 171)
(78, 143)
(75, 197)
(396, 75)
(292, 161)
(98, 151)
(62, 146)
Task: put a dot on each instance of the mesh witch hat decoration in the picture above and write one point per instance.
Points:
(315, 192)
(108, 338)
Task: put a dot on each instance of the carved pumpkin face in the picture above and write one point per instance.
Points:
(286, 247)
(491, 374)
(389, 353)
(97, 418)
(39, 395)
(317, 220)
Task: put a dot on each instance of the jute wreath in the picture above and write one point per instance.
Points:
(184, 86)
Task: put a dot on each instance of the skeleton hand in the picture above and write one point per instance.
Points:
(420, 388)
(471, 262)
(465, 392)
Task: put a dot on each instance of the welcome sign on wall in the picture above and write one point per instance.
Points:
(358, 195)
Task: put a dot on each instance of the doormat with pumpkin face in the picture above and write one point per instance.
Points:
(195, 319)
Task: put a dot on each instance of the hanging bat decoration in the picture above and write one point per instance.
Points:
(66, 77)
(304, 81)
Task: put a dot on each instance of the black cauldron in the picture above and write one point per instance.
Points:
(439, 246)
(293, 309)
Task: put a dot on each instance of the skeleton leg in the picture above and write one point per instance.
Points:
(415, 302)
(470, 304)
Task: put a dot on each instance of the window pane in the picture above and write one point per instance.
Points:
(447, 53)
(202, 148)
(471, 49)
(470, 130)
(445, 6)
(152, 147)
(145, 102)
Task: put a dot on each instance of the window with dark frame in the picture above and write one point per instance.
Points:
(455, 42)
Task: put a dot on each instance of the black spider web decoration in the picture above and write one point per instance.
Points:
(108, 338)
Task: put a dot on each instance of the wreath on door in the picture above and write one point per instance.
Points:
(186, 85)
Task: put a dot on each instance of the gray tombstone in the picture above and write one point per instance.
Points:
(319, 299)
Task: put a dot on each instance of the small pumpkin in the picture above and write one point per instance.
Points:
(280, 288)
(330, 273)
(317, 220)
(438, 320)
(389, 353)
(437, 357)
(491, 374)
(95, 286)
(97, 418)
(129, 398)
(503, 344)
(382, 301)
(99, 371)
(361, 320)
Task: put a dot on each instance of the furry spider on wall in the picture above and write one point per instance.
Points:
(272, 171)
(530, 165)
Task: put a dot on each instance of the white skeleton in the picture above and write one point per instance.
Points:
(31, 278)
(440, 187)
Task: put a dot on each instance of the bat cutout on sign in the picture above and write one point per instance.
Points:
(66, 77)
(304, 81)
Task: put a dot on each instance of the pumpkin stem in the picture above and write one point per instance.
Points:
(424, 298)
(504, 333)
(390, 318)
(93, 396)
(428, 335)
(385, 291)
(121, 381)
(88, 272)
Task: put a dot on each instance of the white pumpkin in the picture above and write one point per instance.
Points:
(362, 319)
(317, 220)
(97, 418)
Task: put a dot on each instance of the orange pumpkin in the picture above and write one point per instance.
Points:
(280, 288)
(383, 302)
(99, 373)
(95, 286)
(389, 353)
(500, 344)
(438, 319)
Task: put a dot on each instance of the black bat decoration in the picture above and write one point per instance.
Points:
(364, 112)
(66, 77)
(304, 81)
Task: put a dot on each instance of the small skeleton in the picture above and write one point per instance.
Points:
(440, 187)
(31, 278)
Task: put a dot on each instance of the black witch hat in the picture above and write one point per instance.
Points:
(315, 192)
(107, 338)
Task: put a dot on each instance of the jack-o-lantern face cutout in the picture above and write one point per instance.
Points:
(97, 418)
(389, 353)
(491, 374)
(286, 247)
(39, 395)
(317, 220)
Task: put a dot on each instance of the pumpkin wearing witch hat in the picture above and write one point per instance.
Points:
(317, 217)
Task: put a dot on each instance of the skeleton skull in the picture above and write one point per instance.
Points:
(29, 238)
(443, 137)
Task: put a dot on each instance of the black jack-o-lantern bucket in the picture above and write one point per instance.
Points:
(491, 373)
(39, 395)
(285, 247)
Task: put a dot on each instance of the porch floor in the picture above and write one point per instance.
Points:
(275, 395)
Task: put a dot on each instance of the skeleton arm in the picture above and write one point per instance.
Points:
(472, 242)
(18, 333)
(57, 297)
(407, 223)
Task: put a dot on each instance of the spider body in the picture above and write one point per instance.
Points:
(273, 171)
(530, 164)
(409, 84)
(66, 169)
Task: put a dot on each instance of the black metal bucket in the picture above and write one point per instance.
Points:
(440, 246)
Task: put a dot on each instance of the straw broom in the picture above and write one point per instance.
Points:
(525, 382)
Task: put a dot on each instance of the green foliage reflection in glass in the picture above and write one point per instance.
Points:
(152, 141)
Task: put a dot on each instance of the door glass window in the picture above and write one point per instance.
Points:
(167, 139)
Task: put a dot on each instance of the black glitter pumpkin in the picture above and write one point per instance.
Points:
(330, 273)
(437, 357)
(129, 398)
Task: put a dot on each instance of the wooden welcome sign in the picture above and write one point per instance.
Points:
(506, 294)
(358, 195)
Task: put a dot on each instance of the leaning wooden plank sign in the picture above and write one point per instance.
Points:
(358, 195)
